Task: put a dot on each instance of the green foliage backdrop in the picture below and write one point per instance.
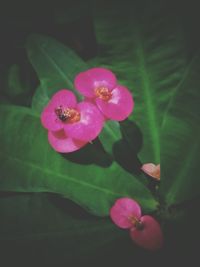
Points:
(57, 201)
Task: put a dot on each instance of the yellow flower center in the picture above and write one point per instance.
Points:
(67, 114)
(156, 173)
(136, 222)
(103, 93)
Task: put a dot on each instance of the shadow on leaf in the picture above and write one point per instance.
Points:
(125, 150)
(69, 207)
(92, 153)
(128, 160)
(132, 134)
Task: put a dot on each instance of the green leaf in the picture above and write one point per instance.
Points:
(151, 69)
(49, 48)
(40, 99)
(55, 64)
(43, 220)
(180, 143)
(29, 164)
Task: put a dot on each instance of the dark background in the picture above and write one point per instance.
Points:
(72, 22)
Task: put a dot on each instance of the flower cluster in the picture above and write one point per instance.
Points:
(145, 231)
(70, 124)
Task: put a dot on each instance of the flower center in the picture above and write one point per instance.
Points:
(103, 93)
(136, 222)
(156, 173)
(67, 114)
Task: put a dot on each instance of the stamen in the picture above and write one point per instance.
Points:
(103, 93)
(156, 173)
(136, 222)
(67, 115)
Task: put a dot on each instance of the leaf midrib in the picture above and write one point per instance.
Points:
(31, 113)
(62, 176)
(65, 77)
(187, 165)
(176, 89)
(150, 107)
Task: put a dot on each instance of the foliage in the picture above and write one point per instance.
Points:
(144, 47)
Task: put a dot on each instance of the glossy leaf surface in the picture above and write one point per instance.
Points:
(86, 177)
(180, 142)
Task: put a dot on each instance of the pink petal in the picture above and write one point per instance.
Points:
(63, 144)
(86, 82)
(152, 170)
(120, 106)
(148, 167)
(90, 124)
(49, 119)
(65, 98)
(123, 209)
(150, 237)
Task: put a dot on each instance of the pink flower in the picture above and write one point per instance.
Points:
(149, 236)
(100, 86)
(123, 210)
(152, 170)
(71, 125)
(145, 231)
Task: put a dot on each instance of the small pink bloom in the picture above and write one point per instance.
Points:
(152, 170)
(149, 236)
(79, 121)
(144, 230)
(100, 86)
(124, 211)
